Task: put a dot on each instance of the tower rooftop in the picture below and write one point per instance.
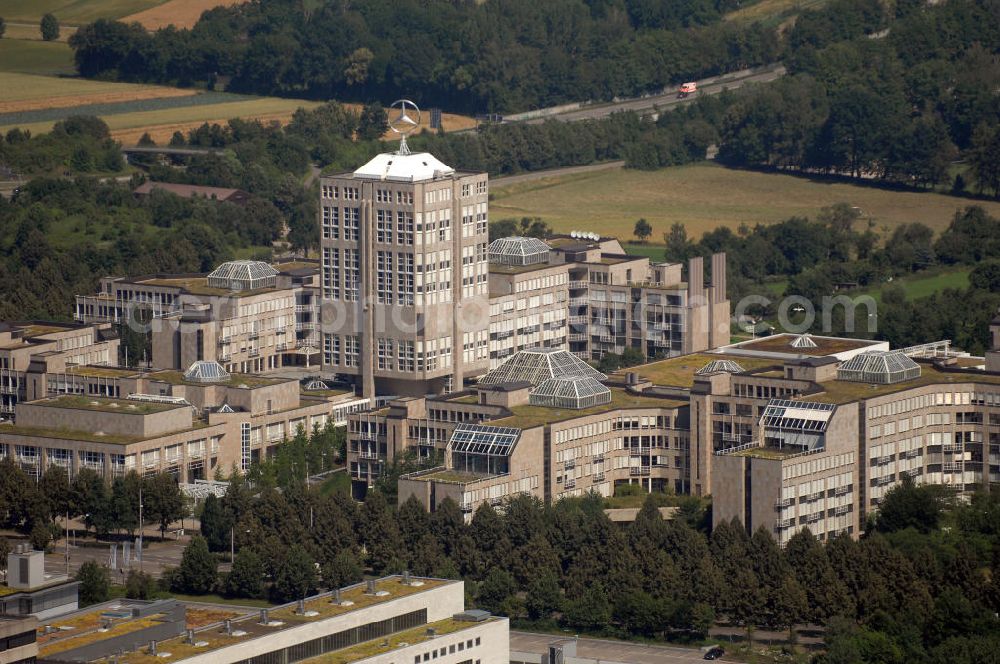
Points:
(415, 167)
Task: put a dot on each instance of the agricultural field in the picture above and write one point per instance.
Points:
(772, 12)
(180, 13)
(705, 196)
(37, 102)
(31, 31)
(35, 57)
(72, 12)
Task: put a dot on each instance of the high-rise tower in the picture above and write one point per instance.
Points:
(405, 271)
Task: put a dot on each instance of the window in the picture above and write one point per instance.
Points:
(352, 275)
(383, 226)
(331, 273)
(351, 348)
(331, 223)
(383, 261)
(352, 218)
(331, 350)
(404, 228)
(383, 196)
(350, 193)
(329, 191)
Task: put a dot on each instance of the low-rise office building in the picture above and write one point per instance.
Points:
(784, 432)
(393, 620)
(190, 423)
(249, 316)
(30, 350)
(18, 644)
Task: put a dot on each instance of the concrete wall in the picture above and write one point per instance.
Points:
(493, 648)
(121, 423)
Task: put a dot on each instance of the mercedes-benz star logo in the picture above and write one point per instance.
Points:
(400, 120)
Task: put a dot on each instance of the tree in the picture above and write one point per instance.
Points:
(790, 604)
(544, 596)
(198, 571)
(381, 533)
(216, 524)
(139, 585)
(40, 536)
(95, 583)
(3, 27)
(162, 500)
(496, 588)
(679, 247)
(373, 122)
(642, 229)
(343, 570)
(49, 27)
(296, 576)
(907, 505)
(592, 611)
(246, 579)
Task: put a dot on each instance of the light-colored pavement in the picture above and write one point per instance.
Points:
(605, 650)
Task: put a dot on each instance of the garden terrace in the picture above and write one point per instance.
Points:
(386, 645)
(235, 380)
(843, 391)
(104, 405)
(782, 343)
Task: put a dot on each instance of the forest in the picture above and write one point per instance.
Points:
(461, 55)
(921, 585)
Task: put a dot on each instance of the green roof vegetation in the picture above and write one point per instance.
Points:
(519, 269)
(679, 371)
(199, 286)
(782, 343)
(235, 380)
(381, 646)
(526, 417)
(843, 391)
(66, 434)
(454, 476)
(100, 372)
(767, 452)
(124, 406)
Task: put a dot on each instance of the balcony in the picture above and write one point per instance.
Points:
(578, 320)
(953, 447)
(302, 325)
(579, 301)
(305, 308)
(466, 507)
(842, 510)
(575, 336)
(577, 284)
(841, 490)
(787, 502)
(598, 477)
(785, 523)
(254, 335)
(641, 471)
(253, 352)
(368, 454)
(598, 458)
(569, 484)
(570, 465)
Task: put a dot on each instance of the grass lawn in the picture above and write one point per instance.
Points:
(34, 57)
(705, 196)
(180, 13)
(771, 11)
(73, 12)
(922, 285)
(654, 251)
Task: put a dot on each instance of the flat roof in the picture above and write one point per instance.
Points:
(105, 405)
(782, 343)
(845, 391)
(94, 371)
(67, 434)
(451, 476)
(680, 371)
(384, 645)
(496, 268)
(81, 628)
(198, 286)
(235, 380)
(526, 417)
(214, 638)
(767, 452)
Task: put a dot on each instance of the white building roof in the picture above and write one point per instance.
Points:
(404, 167)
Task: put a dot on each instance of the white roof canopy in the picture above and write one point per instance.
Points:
(404, 167)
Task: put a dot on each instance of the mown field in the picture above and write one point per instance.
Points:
(36, 102)
(180, 13)
(35, 57)
(73, 12)
(922, 285)
(705, 196)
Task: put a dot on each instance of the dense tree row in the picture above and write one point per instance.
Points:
(33, 507)
(910, 585)
(470, 56)
(899, 107)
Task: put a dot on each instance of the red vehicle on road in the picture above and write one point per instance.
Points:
(687, 89)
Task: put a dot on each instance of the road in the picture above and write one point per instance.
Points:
(668, 100)
(529, 643)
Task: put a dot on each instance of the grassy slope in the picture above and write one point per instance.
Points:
(922, 285)
(705, 196)
(73, 12)
(35, 57)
